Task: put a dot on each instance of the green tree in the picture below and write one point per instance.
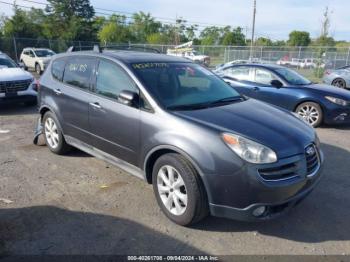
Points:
(233, 37)
(115, 31)
(211, 35)
(299, 38)
(144, 25)
(263, 41)
(70, 20)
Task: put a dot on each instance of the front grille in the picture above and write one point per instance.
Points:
(284, 172)
(14, 86)
(312, 159)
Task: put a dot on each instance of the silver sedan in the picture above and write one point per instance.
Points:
(339, 77)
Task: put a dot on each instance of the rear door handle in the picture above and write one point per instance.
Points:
(96, 105)
(58, 91)
(255, 88)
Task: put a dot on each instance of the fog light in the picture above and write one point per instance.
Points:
(259, 211)
(341, 117)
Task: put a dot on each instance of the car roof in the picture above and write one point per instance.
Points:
(34, 48)
(131, 57)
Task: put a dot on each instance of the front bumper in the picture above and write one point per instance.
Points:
(28, 95)
(238, 196)
(335, 114)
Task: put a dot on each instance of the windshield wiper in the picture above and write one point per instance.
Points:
(226, 100)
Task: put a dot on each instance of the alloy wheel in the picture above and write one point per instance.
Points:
(172, 190)
(309, 113)
(339, 83)
(51, 132)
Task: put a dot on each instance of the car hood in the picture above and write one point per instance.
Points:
(13, 74)
(331, 90)
(268, 125)
(45, 59)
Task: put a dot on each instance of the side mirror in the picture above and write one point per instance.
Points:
(276, 83)
(129, 98)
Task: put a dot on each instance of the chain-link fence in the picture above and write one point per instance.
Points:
(311, 61)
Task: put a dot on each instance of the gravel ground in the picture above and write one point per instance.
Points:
(77, 204)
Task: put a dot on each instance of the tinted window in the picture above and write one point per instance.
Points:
(58, 69)
(182, 84)
(111, 80)
(78, 72)
(239, 73)
(7, 62)
(263, 76)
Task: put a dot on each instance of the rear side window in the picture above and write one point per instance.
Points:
(111, 80)
(78, 72)
(57, 69)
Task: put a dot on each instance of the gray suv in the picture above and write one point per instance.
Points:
(205, 148)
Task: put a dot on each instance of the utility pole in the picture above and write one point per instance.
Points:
(253, 31)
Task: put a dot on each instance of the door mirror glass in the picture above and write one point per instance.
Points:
(128, 97)
(276, 83)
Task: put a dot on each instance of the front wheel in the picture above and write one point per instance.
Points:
(311, 112)
(178, 189)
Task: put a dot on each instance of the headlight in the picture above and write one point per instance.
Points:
(249, 150)
(337, 101)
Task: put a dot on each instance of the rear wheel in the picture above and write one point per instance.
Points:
(53, 135)
(178, 189)
(311, 112)
(339, 83)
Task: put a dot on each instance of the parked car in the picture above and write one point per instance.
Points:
(303, 63)
(36, 58)
(175, 124)
(187, 51)
(286, 88)
(15, 83)
(339, 77)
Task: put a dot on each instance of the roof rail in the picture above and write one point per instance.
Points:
(131, 48)
(97, 48)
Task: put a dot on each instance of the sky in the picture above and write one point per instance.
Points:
(274, 19)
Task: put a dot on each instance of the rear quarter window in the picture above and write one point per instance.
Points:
(57, 69)
(78, 71)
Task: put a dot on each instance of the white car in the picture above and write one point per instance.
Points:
(36, 58)
(16, 85)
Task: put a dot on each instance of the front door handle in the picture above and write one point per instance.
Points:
(58, 91)
(255, 88)
(96, 105)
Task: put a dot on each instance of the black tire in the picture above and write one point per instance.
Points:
(315, 106)
(25, 67)
(339, 82)
(62, 147)
(37, 69)
(197, 203)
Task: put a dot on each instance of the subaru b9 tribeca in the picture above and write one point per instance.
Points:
(205, 148)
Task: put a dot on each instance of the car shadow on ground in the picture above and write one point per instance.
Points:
(51, 230)
(17, 109)
(322, 216)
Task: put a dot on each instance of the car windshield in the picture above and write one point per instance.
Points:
(184, 86)
(6, 62)
(44, 53)
(293, 77)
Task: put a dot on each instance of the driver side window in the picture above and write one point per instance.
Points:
(263, 76)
